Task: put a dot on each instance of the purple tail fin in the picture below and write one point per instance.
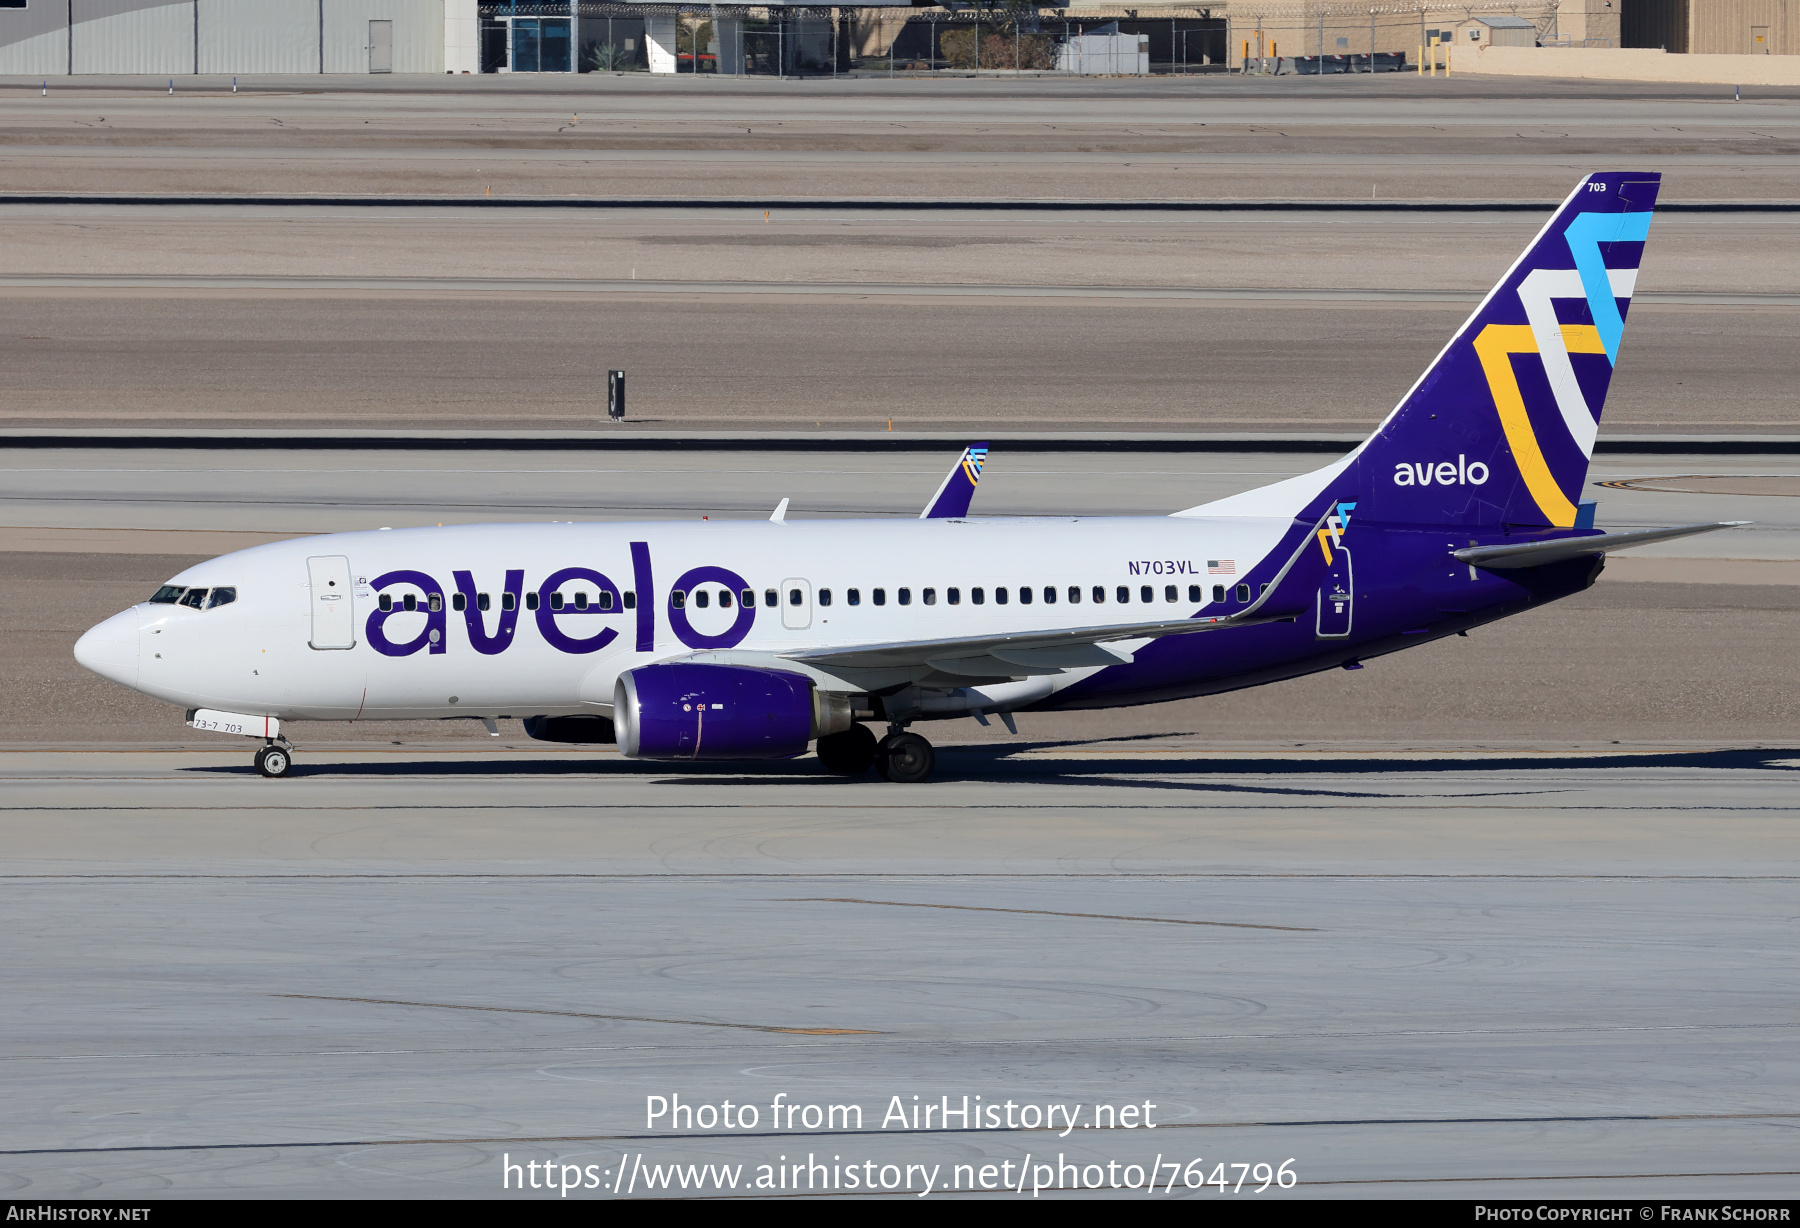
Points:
(1500, 428)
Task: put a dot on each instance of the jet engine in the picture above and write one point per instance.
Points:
(693, 711)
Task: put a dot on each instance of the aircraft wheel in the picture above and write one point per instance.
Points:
(273, 761)
(850, 753)
(905, 758)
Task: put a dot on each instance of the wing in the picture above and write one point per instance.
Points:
(1509, 556)
(1018, 653)
(952, 497)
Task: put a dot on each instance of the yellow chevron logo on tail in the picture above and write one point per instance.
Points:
(1495, 347)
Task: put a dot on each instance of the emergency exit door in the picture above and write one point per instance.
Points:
(1759, 40)
(796, 604)
(381, 46)
(1336, 597)
(333, 615)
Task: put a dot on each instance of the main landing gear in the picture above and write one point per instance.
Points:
(904, 758)
(274, 760)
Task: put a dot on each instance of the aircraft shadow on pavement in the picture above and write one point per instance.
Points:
(1098, 763)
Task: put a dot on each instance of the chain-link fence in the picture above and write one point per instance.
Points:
(588, 36)
(1376, 38)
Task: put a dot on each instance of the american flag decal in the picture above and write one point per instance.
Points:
(1221, 567)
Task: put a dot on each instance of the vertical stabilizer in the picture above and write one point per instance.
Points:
(1499, 429)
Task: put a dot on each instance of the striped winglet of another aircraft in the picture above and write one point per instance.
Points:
(952, 498)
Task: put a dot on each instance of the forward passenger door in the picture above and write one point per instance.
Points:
(333, 615)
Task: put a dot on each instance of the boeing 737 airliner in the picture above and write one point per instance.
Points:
(760, 639)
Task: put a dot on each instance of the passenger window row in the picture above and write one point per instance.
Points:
(410, 601)
(1146, 594)
(194, 598)
(702, 598)
(579, 601)
(508, 601)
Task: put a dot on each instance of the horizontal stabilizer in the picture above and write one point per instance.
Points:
(1509, 555)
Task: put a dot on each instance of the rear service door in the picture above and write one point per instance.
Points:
(333, 618)
(796, 604)
(1335, 598)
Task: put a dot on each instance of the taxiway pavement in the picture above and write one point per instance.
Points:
(1393, 136)
(225, 318)
(770, 313)
(1499, 976)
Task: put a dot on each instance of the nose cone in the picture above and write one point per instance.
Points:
(111, 649)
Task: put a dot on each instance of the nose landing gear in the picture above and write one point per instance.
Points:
(274, 760)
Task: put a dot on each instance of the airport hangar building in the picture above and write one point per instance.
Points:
(45, 38)
(185, 37)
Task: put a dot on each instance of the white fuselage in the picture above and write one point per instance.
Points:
(857, 582)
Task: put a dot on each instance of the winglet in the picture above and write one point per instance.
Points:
(952, 498)
(779, 515)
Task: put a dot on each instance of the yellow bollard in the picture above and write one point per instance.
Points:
(1449, 51)
(1420, 62)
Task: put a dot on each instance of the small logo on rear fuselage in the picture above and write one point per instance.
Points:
(1336, 525)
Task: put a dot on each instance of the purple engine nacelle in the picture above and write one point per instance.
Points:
(693, 711)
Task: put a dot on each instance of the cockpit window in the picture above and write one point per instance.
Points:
(193, 598)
